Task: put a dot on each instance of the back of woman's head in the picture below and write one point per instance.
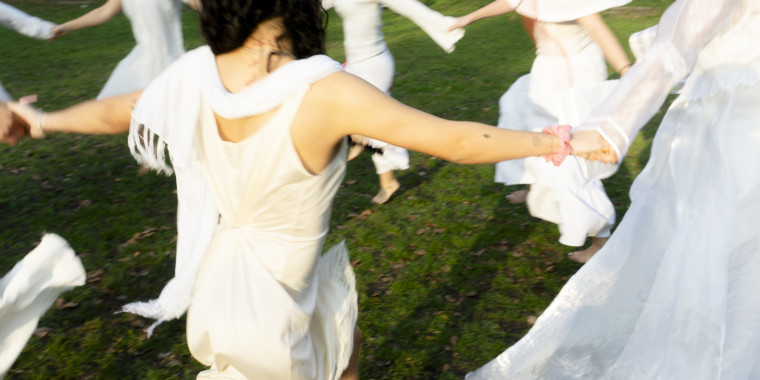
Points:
(226, 24)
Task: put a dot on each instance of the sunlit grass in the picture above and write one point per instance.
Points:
(448, 272)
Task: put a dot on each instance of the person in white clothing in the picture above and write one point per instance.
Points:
(673, 293)
(256, 124)
(572, 42)
(21, 22)
(157, 29)
(368, 57)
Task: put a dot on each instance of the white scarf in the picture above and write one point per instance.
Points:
(166, 117)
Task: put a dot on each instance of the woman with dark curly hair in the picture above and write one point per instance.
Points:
(256, 126)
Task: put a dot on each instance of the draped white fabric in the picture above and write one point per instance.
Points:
(683, 33)
(165, 116)
(30, 288)
(673, 293)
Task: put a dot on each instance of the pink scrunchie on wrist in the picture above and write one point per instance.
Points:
(563, 133)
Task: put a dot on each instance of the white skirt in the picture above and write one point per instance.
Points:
(250, 319)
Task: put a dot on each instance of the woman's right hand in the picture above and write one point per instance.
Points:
(460, 22)
(58, 31)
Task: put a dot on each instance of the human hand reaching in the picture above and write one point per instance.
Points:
(460, 22)
(12, 128)
(591, 146)
(58, 31)
(29, 116)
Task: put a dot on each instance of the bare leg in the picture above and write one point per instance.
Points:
(583, 256)
(388, 186)
(517, 197)
(352, 371)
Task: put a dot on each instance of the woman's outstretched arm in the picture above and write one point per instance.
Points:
(94, 17)
(105, 116)
(498, 7)
(342, 104)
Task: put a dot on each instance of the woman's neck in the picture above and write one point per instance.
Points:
(262, 53)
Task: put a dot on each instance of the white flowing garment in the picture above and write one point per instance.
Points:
(567, 77)
(368, 57)
(157, 29)
(673, 293)
(25, 24)
(29, 289)
(264, 302)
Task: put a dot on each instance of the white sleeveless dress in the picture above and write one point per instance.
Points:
(673, 293)
(566, 58)
(157, 29)
(254, 310)
(264, 302)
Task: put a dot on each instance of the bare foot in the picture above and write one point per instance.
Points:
(385, 193)
(517, 197)
(586, 254)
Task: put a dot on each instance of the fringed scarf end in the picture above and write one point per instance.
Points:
(148, 148)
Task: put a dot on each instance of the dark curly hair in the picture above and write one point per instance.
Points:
(226, 24)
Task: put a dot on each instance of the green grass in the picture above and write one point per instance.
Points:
(448, 272)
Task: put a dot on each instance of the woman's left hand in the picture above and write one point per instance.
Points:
(591, 146)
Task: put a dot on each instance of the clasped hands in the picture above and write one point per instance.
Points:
(16, 119)
(586, 144)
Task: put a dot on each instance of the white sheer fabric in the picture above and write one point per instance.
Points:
(685, 29)
(673, 294)
(29, 289)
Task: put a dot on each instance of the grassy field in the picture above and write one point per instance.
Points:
(449, 274)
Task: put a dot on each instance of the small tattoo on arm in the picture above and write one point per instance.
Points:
(536, 141)
(487, 136)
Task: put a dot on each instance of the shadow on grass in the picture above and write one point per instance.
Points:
(436, 323)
